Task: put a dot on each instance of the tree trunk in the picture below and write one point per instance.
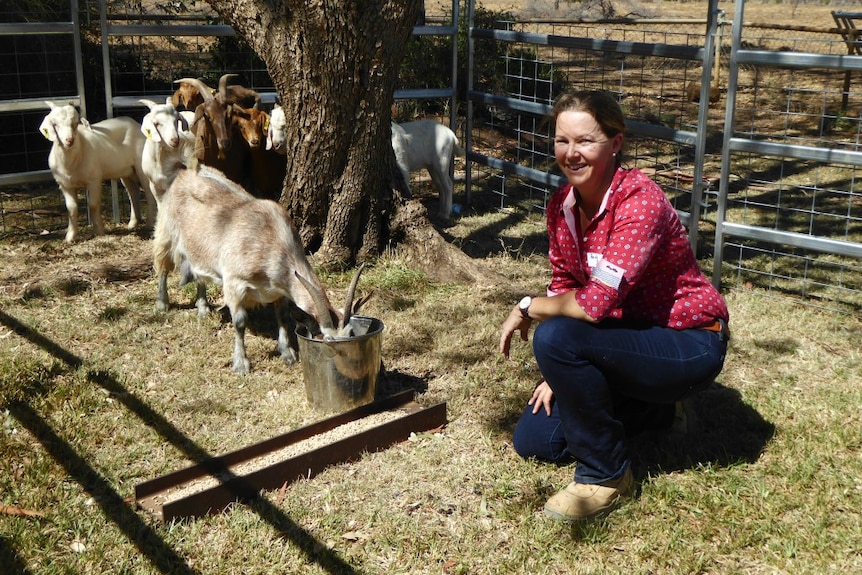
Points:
(335, 67)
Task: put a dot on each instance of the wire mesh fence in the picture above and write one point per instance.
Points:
(801, 107)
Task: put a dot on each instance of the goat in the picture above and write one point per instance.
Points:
(237, 93)
(268, 168)
(85, 155)
(249, 246)
(169, 146)
(426, 144)
(187, 96)
(214, 131)
(276, 133)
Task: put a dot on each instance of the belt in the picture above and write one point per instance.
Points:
(718, 326)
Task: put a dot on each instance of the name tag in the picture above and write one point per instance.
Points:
(609, 274)
(593, 259)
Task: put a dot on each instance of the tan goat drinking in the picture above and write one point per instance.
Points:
(219, 233)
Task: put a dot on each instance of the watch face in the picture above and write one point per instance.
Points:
(525, 302)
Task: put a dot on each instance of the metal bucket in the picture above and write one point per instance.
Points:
(341, 374)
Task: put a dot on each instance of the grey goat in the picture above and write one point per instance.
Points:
(216, 232)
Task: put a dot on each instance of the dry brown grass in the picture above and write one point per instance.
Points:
(101, 393)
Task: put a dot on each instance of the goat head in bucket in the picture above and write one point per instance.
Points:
(341, 371)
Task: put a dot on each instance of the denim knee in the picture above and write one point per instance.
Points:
(540, 436)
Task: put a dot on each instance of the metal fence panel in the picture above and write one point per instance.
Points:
(777, 165)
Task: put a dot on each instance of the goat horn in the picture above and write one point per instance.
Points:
(361, 302)
(149, 103)
(348, 299)
(222, 82)
(323, 316)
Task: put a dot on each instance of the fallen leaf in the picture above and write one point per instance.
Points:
(19, 512)
(354, 536)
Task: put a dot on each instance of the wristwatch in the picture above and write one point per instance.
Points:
(524, 306)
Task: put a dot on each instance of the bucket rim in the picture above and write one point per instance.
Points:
(376, 328)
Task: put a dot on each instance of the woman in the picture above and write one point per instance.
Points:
(629, 326)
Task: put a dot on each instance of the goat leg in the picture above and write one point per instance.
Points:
(186, 273)
(201, 300)
(70, 196)
(241, 364)
(162, 303)
(133, 190)
(94, 207)
(287, 346)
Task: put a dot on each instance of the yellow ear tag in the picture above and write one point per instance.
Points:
(148, 133)
(266, 124)
(45, 133)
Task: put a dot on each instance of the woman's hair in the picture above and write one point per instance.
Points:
(598, 104)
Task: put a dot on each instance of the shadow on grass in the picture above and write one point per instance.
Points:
(10, 560)
(392, 382)
(147, 539)
(723, 430)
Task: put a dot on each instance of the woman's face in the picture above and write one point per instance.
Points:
(584, 153)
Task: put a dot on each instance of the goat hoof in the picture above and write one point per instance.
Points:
(289, 356)
(242, 367)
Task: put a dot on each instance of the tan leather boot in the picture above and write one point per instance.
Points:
(580, 501)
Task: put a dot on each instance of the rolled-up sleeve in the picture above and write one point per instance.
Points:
(638, 229)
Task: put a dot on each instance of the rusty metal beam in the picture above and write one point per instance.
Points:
(154, 495)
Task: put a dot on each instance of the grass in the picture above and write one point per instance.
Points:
(99, 392)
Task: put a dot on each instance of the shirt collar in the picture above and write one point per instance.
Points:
(571, 198)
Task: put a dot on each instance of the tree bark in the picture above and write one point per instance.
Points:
(335, 67)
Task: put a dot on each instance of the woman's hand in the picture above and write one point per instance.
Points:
(542, 396)
(514, 322)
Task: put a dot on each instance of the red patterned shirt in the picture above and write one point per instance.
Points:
(633, 261)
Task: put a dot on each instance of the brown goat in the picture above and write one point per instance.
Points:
(237, 93)
(187, 96)
(215, 133)
(268, 167)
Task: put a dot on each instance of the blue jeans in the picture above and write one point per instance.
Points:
(611, 380)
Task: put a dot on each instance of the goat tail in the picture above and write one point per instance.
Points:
(163, 247)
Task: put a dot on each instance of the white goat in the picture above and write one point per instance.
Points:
(426, 144)
(84, 155)
(276, 133)
(216, 232)
(170, 144)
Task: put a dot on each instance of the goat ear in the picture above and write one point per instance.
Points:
(84, 122)
(45, 129)
(268, 129)
(182, 123)
(149, 129)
